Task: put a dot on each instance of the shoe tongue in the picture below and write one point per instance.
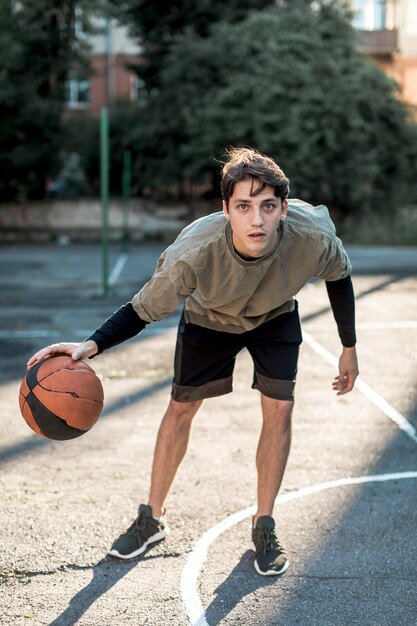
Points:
(266, 521)
(145, 510)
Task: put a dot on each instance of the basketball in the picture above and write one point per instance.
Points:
(61, 398)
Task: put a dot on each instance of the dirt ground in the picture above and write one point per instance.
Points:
(346, 511)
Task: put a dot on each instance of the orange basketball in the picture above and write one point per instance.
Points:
(61, 398)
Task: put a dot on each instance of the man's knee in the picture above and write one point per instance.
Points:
(183, 409)
(273, 408)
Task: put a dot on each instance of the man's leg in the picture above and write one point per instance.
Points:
(171, 445)
(271, 458)
(273, 450)
(274, 347)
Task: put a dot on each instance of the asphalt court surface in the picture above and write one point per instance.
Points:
(347, 508)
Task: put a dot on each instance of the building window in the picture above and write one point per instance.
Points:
(137, 88)
(380, 16)
(78, 91)
(369, 14)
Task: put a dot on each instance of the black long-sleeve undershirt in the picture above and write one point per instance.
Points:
(122, 325)
(125, 322)
(342, 301)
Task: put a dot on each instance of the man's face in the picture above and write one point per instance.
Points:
(254, 219)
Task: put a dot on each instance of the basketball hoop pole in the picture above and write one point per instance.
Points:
(104, 189)
(127, 175)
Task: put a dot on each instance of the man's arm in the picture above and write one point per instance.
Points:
(172, 281)
(122, 325)
(342, 301)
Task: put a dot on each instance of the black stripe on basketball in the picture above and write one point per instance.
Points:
(32, 376)
(50, 424)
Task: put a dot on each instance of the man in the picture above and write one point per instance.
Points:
(237, 273)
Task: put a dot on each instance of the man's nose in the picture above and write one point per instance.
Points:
(257, 217)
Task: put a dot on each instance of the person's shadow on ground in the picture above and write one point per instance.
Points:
(242, 581)
(106, 573)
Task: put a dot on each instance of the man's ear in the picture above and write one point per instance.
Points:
(225, 210)
(284, 204)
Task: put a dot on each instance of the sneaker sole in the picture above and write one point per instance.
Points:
(161, 535)
(271, 572)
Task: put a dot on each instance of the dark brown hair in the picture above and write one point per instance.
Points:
(246, 163)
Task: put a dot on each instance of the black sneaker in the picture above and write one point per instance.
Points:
(144, 531)
(270, 557)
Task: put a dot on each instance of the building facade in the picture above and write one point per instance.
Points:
(112, 53)
(388, 34)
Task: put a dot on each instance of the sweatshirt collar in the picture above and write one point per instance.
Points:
(261, 259)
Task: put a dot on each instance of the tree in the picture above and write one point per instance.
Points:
(39, 47)
(158, 24)
(286, 80)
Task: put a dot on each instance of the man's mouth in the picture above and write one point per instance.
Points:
(257, 236)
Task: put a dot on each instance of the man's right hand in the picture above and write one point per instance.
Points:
(75, 350)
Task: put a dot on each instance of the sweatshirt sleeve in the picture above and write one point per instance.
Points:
(172, 282)
(334, 263)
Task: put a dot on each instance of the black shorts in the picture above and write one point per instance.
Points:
(205, 358)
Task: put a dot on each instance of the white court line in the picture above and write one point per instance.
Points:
(39, 333)
(367, 391)
(189, 579)
(117, 269)
(374, 325)
(9, 334)
(160, 328)
(384, 325)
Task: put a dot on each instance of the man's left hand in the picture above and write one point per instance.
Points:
(348, 372)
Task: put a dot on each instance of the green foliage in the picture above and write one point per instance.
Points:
(287, 81)
(79, 155)
(123, 117)
(81, 137)
(38, 48)
(158, 23)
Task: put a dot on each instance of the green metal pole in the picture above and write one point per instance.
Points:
(104, 188)
(127, 176)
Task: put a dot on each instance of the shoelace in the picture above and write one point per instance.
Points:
(138, 527)
(269, 540)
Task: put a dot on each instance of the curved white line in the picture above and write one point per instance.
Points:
(367, 391)
(189, 579)
(188, 586)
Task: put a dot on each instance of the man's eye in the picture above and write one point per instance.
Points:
(242, 207)
(269, 206)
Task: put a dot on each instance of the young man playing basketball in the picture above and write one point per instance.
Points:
(237, 273)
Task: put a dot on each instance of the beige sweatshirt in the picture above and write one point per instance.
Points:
(224, 292)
